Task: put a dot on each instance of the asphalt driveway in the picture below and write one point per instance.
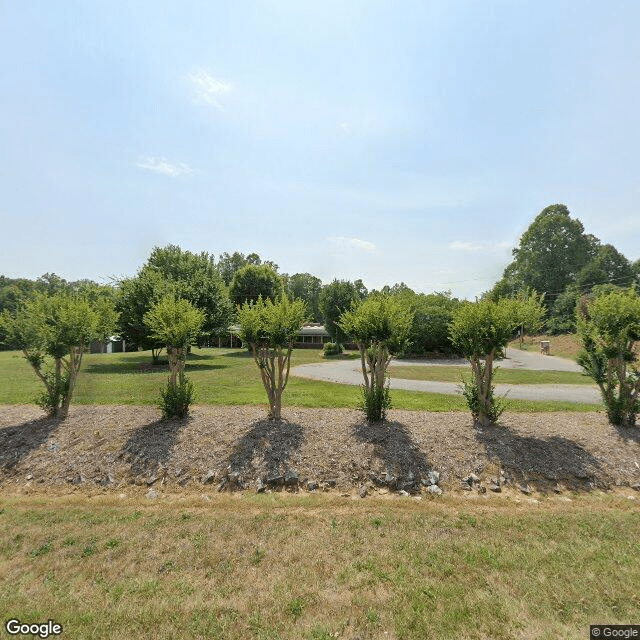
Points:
(349, 372)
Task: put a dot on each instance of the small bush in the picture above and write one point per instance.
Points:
(56, 391)
(470, 392)
(175, 401)
(332, 349)
(375, 403)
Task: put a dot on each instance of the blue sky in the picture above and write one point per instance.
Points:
(388, 141)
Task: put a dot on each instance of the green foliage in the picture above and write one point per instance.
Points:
(270, 329)
(481, 328)
(375, 402)
(609, 326)
(175, 400)
(174, 322)
(58, 328)
(306, 287)
(608, 266)
(552, 251)
(228, 264)
(471, 392)
(380, 325)
(332, 349)
(182, 274)
(255, 281)
(480, 331)
(336, 298)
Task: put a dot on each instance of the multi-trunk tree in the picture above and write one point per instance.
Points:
(52, 332)
(609, 326)
(176, 323)
(380, 326)
(479, 331)
(270, 329)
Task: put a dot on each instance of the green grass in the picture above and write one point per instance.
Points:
(220, 377)
(281, 566)
(445, 373)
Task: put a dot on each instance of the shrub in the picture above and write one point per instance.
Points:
(375, 402)
(332, 349)
(175, 399)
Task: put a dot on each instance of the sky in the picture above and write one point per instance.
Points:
(391, 141)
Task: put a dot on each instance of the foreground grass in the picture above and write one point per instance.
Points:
(279, 566)
(444, 373)
(220, 377)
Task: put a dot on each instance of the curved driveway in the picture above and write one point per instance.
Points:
(349, 372)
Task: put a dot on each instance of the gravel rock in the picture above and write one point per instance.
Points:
(208, 477)
(526, 489)
(435, 490)
(363, 491)
(496, 488)
(151, 494)
(433, 477)
(261, 487)
(312, 486)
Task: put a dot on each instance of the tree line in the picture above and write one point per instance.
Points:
(179, 298)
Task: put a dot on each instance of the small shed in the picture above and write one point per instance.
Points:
(114, 344)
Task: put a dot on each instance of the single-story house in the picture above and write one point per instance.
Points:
(114, 344)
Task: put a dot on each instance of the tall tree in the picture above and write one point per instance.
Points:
(336, 298)
(307, 288)
(551, 253)
(254, 281)
(608, 266)
(172, 271)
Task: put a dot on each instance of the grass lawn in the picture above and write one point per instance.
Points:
(444, 373)
(279, 566)
(220, 376)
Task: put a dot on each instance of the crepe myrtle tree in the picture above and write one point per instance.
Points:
(380, 326)
(176, 323)
(609, 326)
(270, 329)
(52, 331)
(479, 331)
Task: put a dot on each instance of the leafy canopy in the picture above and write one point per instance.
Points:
(174, 322)
(270, 324)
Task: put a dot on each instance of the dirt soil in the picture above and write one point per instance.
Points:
(105, 448)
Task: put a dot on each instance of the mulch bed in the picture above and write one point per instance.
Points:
(235, 448)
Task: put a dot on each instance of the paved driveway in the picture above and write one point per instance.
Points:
(349, 372)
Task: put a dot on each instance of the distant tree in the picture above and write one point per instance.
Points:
(529, 312)
(562, 318)
(270, 329)
(479, 331)
(176, 323)
(173, 271)
(307, 288)
(380, 326)
(336, 298)
(608, 266)
(609, 326)
(432, 314)
(361, 290)
(229, 264)
(551, 253)
(254, 281)
(55, 330)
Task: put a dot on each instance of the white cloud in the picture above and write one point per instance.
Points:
(345, 127)
(355, 243)
(209, 89)
(161, 165)
(472, 246)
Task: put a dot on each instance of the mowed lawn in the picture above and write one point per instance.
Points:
(279, 566)
(445, 373)
(220, 376)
